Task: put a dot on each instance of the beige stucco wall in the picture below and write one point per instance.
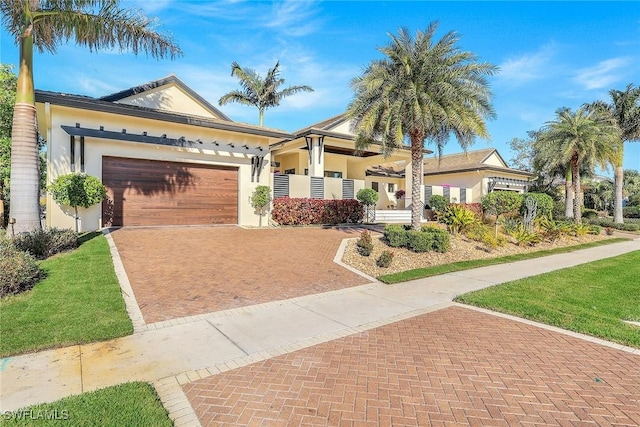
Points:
(168, 98)
(494, 160)
(477, 181)
(333, 188)
(299, 186)
(58, 154)
(336, 163)
(386, 199)
(472, 180)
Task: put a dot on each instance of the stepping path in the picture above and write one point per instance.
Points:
(177, 352)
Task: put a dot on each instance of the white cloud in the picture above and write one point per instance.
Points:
(524, 68)
(603, 74)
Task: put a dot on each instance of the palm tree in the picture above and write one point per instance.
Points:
(259, 92)
(422, 90)
(45, 24)
(583, 138)
(625, 110)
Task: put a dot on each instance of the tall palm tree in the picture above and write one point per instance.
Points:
(624, 108)
(45, 24)
(259, 92)
(422, 90)
(583, 138)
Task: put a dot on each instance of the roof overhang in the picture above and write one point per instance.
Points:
(92, 104)
(164, 140)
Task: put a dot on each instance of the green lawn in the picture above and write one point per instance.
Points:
(131, 404)
(421, 273)
(592, 298)
(78, 302)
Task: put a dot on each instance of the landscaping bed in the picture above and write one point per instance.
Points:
(462, 249)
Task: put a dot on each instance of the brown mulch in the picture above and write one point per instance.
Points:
(462, 249)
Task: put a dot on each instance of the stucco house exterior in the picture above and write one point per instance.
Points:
(482, 171)
(166, 155)
(169, 157)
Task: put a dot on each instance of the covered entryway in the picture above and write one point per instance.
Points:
(151, 192)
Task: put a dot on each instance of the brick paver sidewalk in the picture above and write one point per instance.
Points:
(184, 271)
(451, 367)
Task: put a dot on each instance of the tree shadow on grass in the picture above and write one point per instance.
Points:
(85, 237)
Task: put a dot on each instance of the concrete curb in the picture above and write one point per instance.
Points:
(129, 297)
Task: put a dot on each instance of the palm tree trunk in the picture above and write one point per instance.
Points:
(568, 195)
(416, 180)
(260, 116)
(577, 212)
(617, 198)
(25, 179)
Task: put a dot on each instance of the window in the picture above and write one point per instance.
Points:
(391, 188)
(290, 171)
(374, 185)
(332, 174)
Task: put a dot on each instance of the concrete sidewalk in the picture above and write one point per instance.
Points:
(183, 350)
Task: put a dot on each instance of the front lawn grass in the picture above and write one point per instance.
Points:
(133, 404)
(591, 298)
(421, 273)
(78, 302)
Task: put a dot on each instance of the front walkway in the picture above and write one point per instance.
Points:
(185, 350)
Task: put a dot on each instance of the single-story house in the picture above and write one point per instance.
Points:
(166, 155)
(169, 157)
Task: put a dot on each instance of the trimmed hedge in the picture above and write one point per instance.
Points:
(607, 222)
(303, 211)
(45, 243)
(427, 239)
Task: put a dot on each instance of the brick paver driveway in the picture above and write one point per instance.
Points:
(456, 366)
(183, 271)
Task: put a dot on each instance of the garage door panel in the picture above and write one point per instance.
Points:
(149, 192)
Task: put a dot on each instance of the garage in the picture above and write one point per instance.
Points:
(152, 192)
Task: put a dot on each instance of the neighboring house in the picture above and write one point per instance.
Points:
(482, 171)
(166, 155)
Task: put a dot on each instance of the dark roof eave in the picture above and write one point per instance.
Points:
(93, 104)
(337, 135)
(475, 168)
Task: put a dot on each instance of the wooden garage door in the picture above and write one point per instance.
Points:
(149, 192)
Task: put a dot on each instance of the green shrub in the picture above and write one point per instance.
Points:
(631, 212)
(595, 229)
(384, 260)
(18, 270)
(607, 222)
(395, 235)
(526, 238)
(484, 234)
(544, 203)
(510, 225)
(501, 203)
(457, 218)
(419, 241)
(580, 229)
(441, 241)
(367, 196)
(77, 190)
(589, 213)
(551, 230)
(365, 243)
(438, 203)
(45, 243)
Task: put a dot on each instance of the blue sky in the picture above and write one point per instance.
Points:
(551, 54)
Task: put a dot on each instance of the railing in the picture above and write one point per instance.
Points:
(315, 187)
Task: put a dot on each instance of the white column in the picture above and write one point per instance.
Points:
(316, 152)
